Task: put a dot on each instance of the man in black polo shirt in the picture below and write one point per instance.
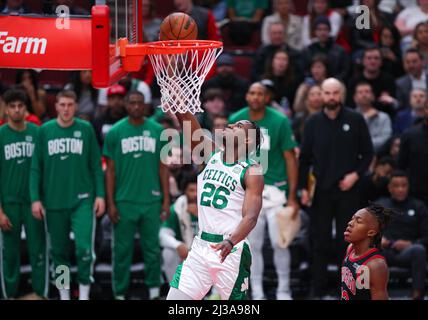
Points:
(337, 145)
(406, 238)
(413, 158)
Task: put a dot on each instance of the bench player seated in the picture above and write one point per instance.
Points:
(177, 232)
(229, 201)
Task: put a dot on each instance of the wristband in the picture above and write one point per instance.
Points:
(229, 241)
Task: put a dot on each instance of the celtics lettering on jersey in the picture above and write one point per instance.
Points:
(22, 149)
(139, 143)
(221, 195)
(217, 196)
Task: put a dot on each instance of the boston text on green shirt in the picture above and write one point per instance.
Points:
(66, 166)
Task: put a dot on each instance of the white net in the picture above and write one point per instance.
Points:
(180, 76)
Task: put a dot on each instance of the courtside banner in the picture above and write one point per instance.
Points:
(45, 43)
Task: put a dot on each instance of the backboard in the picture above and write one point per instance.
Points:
(112, 20)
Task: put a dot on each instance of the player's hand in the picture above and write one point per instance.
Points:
(182, 251)
(38, 210)
(5, 223)
(113, 213)
(99, 206)
(304, 197)
(400, 245)
(292, 202)
(165, 210)
(225, 248)
(348, 181)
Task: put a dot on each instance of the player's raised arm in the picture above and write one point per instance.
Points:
(192, 136)
(254, 184)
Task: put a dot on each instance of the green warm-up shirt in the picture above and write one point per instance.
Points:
(66, 166)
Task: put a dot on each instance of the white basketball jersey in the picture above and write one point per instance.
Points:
(221, 195)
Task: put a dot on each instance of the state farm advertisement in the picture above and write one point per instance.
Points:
(45, 43)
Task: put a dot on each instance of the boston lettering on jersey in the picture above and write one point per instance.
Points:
(220, 176)
(65, 145)
(138, 143)
(18, 150)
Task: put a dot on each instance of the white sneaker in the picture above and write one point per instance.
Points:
(283, 296)
(258, 296)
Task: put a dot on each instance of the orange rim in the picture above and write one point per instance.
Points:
(172, 46)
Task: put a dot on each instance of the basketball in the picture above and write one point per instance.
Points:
(178, 26)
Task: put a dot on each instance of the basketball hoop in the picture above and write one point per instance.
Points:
(180, 67)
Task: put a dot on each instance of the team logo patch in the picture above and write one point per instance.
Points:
(245, 285)
(411, 212)
(77, 134)
(28, 138)
(214, 161)
(346, 127)
(146, 133)
(236, 170)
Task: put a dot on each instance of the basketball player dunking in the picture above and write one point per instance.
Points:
(364, 270)
(229, 202)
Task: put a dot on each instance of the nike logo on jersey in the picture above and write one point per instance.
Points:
(138, 155)
(64, 157)
(20, 161)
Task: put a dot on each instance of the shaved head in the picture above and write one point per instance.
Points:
(333, 93)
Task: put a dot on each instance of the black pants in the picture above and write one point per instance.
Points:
(413, 257)
(327, 206)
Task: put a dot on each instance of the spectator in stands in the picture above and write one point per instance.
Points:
(337, 145)
(74, 9)
(37, 96)
(207, 29)
(420, 41)
(338, 61)
(374, 185)
(415, 77)
(245, 19)
(407, 20)
(129, 83)
(318, 8)
(234, 87)
(177, 232)
(318, 73)
(413, 158)
(312, 104)
(264, 54)
(87, 95)
(271, 98)
(213, 104)
(405, 240)
(14, 7)
(378, 122)
(412, 116)
(292, 24)
(383, 84)
(219, 122)
(114, 111)
(361, 38)
(286, 80)
(151, 23)
(389, 43)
